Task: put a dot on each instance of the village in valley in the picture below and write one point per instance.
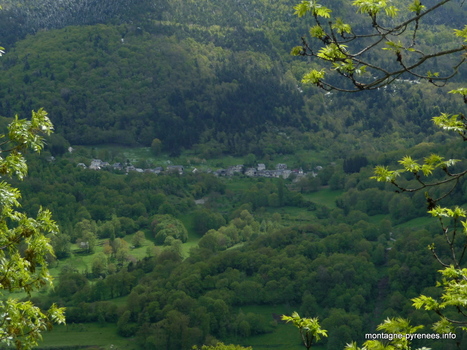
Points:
(280, 171)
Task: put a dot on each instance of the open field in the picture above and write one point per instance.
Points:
(293, 216)
(237, 183)
(87, 336)
(325, 197)
(284, 336)
(417, 222)
(193, 238)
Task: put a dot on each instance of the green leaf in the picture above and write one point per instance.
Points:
(332, 52)
(431, 74)
(443, 326)
(352, 346)
(398, 326)
(416, 7)
(459, 212)
(439, 212)
(391, 11)
(348, 67)
(317, 32)
(341, 27)
(313, 7)
(307, 327)
(396, 47)
(427, 169)
(313, 77)
(433, 159)
(373, 7)
(461, 91)
(302, 8)
(409, 164)
(383, 174)
(427, 303)
(449, 122)
(462, 33)
(8, 196)
(297, 51)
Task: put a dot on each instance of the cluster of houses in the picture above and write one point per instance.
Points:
(97, 164)
(260, 171)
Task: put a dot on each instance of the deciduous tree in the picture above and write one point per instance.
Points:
(351, 54)
(156, 147)
(310, 329)
(349, 50)
(24, 241)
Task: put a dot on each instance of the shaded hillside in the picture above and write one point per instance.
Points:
(100, 89)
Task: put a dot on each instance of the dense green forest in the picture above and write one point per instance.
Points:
(225, 83)
(210, 84)
(347, 261)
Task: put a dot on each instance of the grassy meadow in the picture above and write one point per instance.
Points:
(284, 337)
(87, 336)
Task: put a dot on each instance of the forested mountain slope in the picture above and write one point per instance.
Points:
(213, 74)
(102, 90)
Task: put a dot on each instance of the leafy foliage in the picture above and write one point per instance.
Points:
(435, 172)
(316, 10)
(398, 331)
(23, 241)
(342, 42)
(309, 328)
(165, 226)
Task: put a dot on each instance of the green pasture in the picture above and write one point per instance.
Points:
(292, 216)
(325, 197)
(193, 237)
(284, 336)
(315, 158)
(140, 153)
(83, 262)
(224, 162)
(417, 222)
(237, 183)
(378, 218)
(120, 301)
(87, 336)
